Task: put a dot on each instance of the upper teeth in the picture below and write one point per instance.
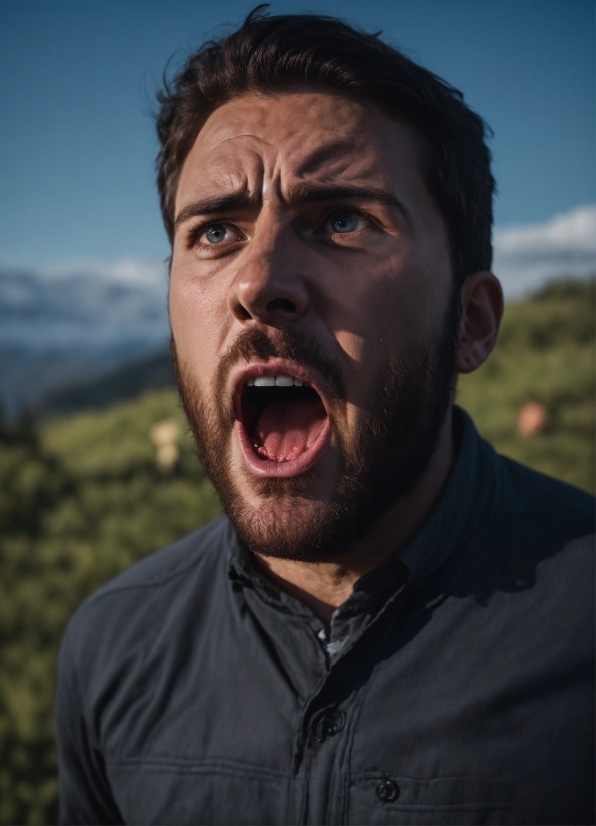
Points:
(274, 381)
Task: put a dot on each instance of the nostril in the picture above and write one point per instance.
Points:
(282, 304)
(242, 313)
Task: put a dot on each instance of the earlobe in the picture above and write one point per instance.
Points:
(481, 312)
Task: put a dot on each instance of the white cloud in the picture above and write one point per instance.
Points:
(526, 257)
(132, 271)
(137, 271)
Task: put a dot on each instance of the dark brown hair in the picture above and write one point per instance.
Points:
(272, 54)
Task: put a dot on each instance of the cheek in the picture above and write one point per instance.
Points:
(412, 305)
(386, 310)
(198, 319)
(371, 304)
(362, 318)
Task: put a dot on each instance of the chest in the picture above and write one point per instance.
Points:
(430, 721)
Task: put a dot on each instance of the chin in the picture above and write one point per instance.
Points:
(280, 526)
(284, 517)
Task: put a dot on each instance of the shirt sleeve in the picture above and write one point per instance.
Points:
(85, 795)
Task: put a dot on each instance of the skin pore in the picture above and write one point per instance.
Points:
(307, 212)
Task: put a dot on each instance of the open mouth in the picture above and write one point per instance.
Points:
(283, 423)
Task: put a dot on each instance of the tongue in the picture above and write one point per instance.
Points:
(285, 430)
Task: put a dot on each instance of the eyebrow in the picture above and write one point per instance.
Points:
(311, 193)
(302, 194)
(211, 206)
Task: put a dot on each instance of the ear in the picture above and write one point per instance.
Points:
(481, 312)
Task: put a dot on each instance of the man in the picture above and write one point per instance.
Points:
(393, 624)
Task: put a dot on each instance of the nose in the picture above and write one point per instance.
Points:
(269, 286)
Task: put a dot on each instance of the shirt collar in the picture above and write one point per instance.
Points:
(463, 507)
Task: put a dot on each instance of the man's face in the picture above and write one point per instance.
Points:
(313, 316)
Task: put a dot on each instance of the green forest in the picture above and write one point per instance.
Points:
(84, 496)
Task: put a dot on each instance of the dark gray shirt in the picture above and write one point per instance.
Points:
(456, 684)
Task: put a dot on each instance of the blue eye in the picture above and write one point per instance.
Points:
(216, 234)
(344, 222)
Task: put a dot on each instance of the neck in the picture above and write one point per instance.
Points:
(324, 586)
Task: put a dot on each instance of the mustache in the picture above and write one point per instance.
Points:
(286, 343)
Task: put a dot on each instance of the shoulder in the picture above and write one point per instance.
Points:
(178, 560)
(549, 508)
(538, 554)
(194, 555)
(529, 574)
(150, 600)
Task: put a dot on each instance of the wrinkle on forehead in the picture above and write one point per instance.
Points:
(247, 145)
(233, 170)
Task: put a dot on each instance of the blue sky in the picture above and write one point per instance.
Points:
(78, 80)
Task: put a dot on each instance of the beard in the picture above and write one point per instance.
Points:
(378, 465)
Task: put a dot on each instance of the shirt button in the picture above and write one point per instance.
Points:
(328, 724)
(387, 790)
(336, 722)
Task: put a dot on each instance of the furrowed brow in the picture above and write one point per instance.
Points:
(311, 193)
(213, 206)
(303, 194)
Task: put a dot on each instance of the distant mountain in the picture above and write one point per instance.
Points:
(58, 331)
(126, 382)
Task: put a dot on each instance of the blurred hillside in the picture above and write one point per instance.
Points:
(545, 354)
(128, 381)
(84, 496)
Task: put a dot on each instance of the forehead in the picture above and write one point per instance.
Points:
(299, 136)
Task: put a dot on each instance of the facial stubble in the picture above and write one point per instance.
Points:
(382, 462)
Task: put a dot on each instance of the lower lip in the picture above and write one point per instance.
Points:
(282, 470)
